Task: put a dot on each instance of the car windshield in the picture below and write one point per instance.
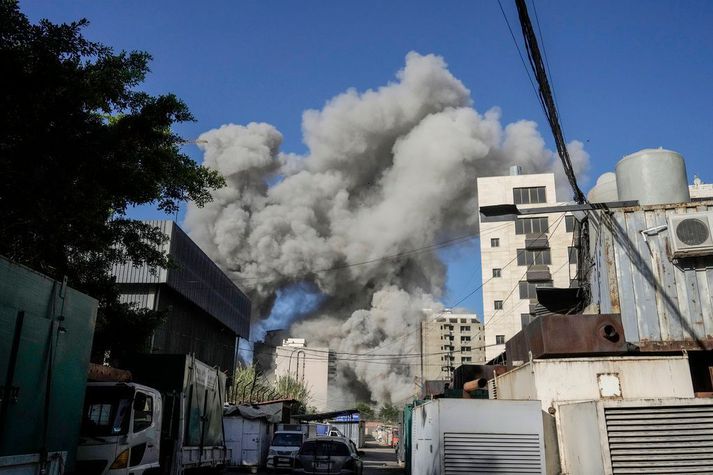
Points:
(106, 410)
(287, 440)
(325, 448)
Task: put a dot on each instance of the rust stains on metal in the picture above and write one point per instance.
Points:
(551, 336)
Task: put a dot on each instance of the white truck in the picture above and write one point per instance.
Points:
(288, 439)
(167, 420)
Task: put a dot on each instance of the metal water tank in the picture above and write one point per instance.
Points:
(652, 176)
(604, 191)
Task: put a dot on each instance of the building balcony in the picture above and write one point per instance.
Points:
(536, 241)
(538, 273)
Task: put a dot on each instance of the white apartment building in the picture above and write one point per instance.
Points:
(520, 254)
(314, 366)
(448, 341)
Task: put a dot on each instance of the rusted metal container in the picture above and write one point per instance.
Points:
(471, 372)
(550, 336)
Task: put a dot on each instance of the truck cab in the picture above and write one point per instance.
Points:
(120, 431)
(284, 447)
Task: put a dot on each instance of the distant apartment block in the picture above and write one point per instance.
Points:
(520, 254)
(448, 341)
(313, 366)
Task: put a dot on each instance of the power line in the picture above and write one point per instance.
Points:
(545, 97)
(505, 266)
(434, 246)
(517, 46)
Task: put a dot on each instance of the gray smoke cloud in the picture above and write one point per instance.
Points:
(388, 171)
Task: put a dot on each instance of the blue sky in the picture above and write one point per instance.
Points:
(627, 75)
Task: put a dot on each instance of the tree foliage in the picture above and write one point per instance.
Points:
(79, 146)
(366, 411)
(389, 414)
(250, 385)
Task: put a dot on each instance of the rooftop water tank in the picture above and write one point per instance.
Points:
(605, 189)
(652, 176)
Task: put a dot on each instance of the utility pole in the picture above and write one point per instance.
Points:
(423, 383)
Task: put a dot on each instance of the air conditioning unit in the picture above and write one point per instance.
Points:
(691, 234)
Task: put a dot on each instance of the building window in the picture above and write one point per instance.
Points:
(466, 359)
(528, 290)
(499, 339)
(143, 411)
(530, 257)
(465, 349)
(464, 328)
(569, 223)
(464, 320)
(573, 254)
(497, 272)
(495, 242)
(531, 226)
(464, 339)
(498, 305)
(524, 196)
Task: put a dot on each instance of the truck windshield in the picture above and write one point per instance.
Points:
(107, 410)
(287, 440)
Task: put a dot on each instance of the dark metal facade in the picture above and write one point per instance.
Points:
(205, 310)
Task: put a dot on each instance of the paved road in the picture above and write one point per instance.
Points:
(379, 460)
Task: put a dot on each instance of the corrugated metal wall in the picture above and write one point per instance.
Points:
(665, 304)
(195, 276)
(130, 274)
(200, 280)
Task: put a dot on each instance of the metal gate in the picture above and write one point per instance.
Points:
(660, 439)
(491, 453)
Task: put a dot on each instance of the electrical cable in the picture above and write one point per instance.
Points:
(434, 246)
(545, 97)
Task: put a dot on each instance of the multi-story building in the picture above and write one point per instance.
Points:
(520, 252)
(313, 366)
(450, 340)
(205, 311)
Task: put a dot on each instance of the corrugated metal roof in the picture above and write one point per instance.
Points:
(664, 303)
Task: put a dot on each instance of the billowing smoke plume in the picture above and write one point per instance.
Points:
(388, 171)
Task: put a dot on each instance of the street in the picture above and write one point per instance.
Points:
(378, 460)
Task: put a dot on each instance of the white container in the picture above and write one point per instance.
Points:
(553, 381)
(477, 436)
(637, 436)
(604, 191)
(652, 176)
(248, 441)
(583, 379)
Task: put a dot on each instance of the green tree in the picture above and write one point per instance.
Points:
(366, 411)
(389, 413)
(79, 146)
(251, 385)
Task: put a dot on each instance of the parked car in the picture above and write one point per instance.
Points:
(333, 455)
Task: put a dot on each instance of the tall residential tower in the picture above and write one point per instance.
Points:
(520, 253)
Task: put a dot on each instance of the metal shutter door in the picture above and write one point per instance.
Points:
(491, 453)
(666, 439)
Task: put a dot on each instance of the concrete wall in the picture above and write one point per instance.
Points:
(309, 365)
